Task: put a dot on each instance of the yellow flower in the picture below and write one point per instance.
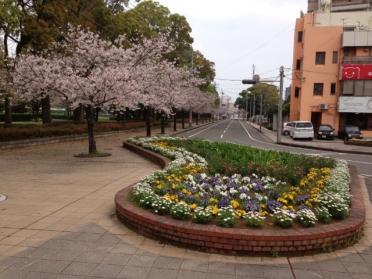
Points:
(193, 206)
(240, 213)
(235, 204)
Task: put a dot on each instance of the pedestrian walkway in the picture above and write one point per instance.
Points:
(59, 222)
(336, 145)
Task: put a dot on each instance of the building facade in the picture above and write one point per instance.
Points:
(332, 65)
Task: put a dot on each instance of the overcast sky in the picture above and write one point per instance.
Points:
(239, 33)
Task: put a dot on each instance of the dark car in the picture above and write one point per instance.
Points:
(325, 132)
(350, 132)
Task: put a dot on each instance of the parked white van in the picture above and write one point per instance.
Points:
(302, 130)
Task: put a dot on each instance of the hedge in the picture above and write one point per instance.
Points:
(21, 132)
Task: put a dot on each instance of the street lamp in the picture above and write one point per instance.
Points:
(255, 80)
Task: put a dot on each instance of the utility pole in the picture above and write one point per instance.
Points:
(261, 104)
(246, 105)
(280, 107)
(192, 69)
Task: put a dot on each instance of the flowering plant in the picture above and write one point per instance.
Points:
(306, 217)
(226, 217)
(254, 219)
(185, 189)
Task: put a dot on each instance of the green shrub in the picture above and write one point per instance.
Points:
(254, 220)
(202, 216)
(226, 218)
(180, 211)
(323, 215)
(228, 159)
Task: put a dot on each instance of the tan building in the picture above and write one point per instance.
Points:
(332, 65)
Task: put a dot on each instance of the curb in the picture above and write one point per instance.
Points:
(326, 149)
(316, 147)
(192, 128)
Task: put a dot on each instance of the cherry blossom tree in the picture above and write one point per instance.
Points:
(87, 71)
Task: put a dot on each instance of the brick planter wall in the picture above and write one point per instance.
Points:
(242, 241)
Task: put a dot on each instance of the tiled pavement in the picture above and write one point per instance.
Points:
(59, 222)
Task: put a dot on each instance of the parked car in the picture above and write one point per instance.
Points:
(350, 132)
(325, 132)
(287, 126)
(302, 130)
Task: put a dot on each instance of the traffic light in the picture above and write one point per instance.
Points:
(256, 79)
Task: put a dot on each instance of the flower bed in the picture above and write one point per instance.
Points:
(185, 190)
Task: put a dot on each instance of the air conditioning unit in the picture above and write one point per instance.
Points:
(323, 106)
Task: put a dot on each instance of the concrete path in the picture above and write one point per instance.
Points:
(59, 222)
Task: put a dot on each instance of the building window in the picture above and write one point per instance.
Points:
(335, 57)
(318, 89)
(320, 58)
(297, 92)
(333, 88)
(298, 64)
(300, 36)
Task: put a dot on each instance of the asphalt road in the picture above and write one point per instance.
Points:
(239, 132)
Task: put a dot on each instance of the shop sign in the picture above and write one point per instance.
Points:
(357, 72)
(355, 104)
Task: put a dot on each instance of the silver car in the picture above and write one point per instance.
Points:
(302, 130)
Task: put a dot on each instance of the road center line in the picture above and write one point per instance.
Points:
(204, 130)
(224, 132)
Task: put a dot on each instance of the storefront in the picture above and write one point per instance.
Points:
(356, 111)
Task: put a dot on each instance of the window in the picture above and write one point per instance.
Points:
(300, 36)
(335, 57)
(333, 88)
(298, 64)
(318, 89)
(320, 58)
(297, 92)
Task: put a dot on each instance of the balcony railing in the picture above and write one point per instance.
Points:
(355, 5)
(358, 60)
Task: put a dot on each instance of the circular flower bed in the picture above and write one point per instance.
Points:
(185, 190)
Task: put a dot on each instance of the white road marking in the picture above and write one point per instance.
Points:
(224, 132)
(204, 130)
(359, 162)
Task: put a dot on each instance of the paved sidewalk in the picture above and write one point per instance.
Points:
(59, 222)
(336, 145)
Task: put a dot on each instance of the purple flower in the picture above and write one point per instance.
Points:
(224, 202)
(301, 198)
(258, 186)
(273, 205)
(252, 205)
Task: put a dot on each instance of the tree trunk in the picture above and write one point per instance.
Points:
(45, 110)
(197, 119)
(35, 107)
(96, 114)
(175, 122)
(148, 122)
(8, 112)
(90, 115)
(162, 124)
(183, 119)
(78, 114)
(190, 118)
(5, 42)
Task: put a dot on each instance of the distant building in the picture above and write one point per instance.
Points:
(332, 64)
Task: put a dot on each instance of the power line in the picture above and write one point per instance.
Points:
(259, 47)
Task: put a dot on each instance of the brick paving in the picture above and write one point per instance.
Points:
(59, 222)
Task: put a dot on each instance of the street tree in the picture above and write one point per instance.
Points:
(89, 72)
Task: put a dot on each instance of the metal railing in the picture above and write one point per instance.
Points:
(358, 60)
